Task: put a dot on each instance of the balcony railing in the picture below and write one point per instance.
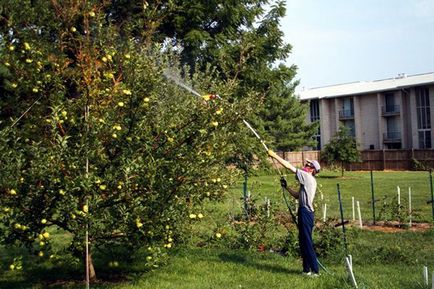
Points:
(346, 114)
(392, 136)
(390, 110)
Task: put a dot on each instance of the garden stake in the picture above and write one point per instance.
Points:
(399, 204)
(325, 213)
(342, 219)
(399, 195)
(425, 275)
(360, 215)
(409, 206)
(246, 206)
(86, 116)
(373, 197)
(350, 271)
(432, 194)
(354, 211)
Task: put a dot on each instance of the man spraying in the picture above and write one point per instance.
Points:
(305, 196)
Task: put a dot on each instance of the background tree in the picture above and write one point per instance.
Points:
(283, 116)
(341, 149)
(243, 41)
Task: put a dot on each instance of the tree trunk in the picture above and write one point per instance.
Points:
(92, 274)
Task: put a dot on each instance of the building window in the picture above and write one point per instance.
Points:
(389, 99)
(348, 107)
(351, 125)
(314, 110)
(423, 117)
(314, 116)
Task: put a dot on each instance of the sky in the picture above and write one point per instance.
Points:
(341, 41)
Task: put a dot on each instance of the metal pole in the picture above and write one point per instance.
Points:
(432, 194)
(342, 218)
(373, 196)
(86, 116)
(245, 194)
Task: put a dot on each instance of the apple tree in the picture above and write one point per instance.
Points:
(96, 140)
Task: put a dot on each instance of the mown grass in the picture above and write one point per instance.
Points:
(381, 260)
(353, 184)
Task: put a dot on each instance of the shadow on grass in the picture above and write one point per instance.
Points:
(242, 260)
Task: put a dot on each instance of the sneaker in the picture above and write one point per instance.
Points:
(314, 275)
(306, 273)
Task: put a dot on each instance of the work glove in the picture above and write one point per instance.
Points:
(283, 182)
(272, 154)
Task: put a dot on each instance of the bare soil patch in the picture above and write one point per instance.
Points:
(393, 227)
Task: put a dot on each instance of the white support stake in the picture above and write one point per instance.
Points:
(267, 204)
(324, 213)
(432, 280)
(409, 206)
(350, 258)
(360, 214)
(354, 211)
(350, 272)
(399, 195)
(425, 275)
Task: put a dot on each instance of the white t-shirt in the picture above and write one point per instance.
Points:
(307, 189)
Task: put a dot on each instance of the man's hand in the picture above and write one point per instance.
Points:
(283, 182)
(272, 154)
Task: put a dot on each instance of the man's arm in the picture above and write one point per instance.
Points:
(293, 193)
(283, 162)
(284, 184)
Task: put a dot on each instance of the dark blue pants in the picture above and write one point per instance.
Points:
(305, 227)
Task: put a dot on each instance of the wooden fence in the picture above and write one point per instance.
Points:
(376, 160)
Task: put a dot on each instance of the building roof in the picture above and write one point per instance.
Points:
(364, 87)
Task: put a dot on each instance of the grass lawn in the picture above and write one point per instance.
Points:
(380, 259)
(353, 184)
